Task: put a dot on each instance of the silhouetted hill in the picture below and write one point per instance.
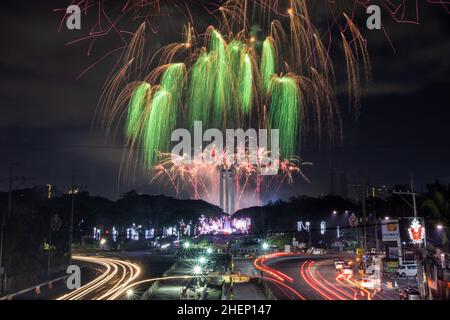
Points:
(282, 216)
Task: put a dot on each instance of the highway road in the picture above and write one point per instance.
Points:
(115, 276)
(289, 276)
(306, 277)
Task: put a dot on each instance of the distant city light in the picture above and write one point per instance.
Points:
(334, 212)
(265, 246)
(439, 226)
(209, 250)
(103, 241)
(186, 245)
(386, 218)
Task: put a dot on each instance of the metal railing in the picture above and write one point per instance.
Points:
(35, 288)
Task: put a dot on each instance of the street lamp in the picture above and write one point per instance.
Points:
(440, 227)
(209, 251)
(197, 270)
(186, 245)
(265, 246)
(202, 260)
(130, 293)
(334, 212)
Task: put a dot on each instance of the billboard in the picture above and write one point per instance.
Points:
(390, 230)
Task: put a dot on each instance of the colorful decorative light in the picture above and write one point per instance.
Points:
(416, 232)
(323, 227)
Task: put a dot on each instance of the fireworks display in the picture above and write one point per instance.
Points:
(264, 65)
(229, 77)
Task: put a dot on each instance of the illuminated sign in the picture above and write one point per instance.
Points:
(416, 232)
(390, 230)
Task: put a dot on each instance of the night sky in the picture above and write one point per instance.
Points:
(47, 112)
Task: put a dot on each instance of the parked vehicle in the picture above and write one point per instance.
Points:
(409, 294)
(370, 269)
(408, 270)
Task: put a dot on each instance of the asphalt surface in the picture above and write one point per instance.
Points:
(302, 277)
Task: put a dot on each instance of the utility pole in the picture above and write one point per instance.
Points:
(363, 190)
(5, 217)
(49, 248)
(376, 235)
(414, 207)
(401, 194)
(414, 197)
(364, 217)
(409, 193)
(72, 189)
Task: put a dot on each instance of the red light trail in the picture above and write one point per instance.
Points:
(307, 279)
(279, 277)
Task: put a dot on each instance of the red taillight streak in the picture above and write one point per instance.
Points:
(333, 286)
(307, 280)
(313, 278)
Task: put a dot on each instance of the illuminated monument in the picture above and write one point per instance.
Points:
(227, 190)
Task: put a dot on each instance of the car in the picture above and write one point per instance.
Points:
(407, 270)
(409, 294)
(339, 264)
(347, 270)
(367, 282)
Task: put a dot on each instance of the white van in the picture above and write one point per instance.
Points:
(407, 270)
(370, 269)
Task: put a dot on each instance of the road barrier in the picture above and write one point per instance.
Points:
(266, 290)
(36, 288)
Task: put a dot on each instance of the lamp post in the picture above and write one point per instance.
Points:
(442, 230)
(72, 208)
(5, 217)
(197, 270)
(202, 260)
